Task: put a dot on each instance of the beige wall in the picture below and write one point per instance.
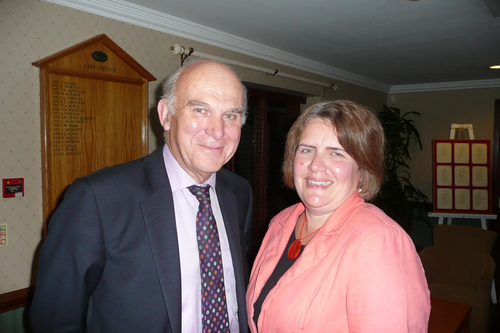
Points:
(31, 30)
(439, 109)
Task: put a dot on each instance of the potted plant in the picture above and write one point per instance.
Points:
(397, 195)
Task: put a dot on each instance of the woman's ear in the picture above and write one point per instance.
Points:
(361, 173)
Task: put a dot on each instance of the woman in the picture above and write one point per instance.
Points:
(334, 263)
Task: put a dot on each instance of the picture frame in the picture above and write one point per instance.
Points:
(462, 176)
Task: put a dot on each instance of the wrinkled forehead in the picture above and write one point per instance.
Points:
(211, 77)
(211, 72)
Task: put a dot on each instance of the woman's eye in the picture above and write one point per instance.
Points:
(307, 150)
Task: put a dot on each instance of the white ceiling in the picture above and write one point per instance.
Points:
(383, 44)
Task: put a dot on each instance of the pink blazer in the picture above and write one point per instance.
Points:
(360, 273)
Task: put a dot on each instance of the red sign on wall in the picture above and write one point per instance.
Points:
(13, 187)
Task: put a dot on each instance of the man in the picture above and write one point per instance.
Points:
(121, 254)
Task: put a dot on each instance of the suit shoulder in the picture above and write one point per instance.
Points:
(231, 181)
(119, 177)
(120, 172)
(129, 170)
(229, 175)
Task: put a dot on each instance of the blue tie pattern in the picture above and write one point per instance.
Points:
(213, 294)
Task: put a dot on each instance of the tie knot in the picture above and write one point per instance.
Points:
(201, 193)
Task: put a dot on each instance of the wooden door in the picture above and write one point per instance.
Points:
(494, 225)
(260, 156)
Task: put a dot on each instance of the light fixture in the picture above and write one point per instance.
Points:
(495, 67)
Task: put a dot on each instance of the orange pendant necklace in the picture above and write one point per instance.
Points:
(294, 249)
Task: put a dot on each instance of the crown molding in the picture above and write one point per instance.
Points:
(472, 84)
(144, 17)
(127, 12)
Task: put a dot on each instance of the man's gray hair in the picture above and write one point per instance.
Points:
(170, 83)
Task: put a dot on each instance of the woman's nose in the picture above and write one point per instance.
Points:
(317, 164)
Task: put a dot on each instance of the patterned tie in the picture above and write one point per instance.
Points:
(213, 293)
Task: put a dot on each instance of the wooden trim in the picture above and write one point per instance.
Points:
(51, 58)
(495, 252)
(95, 76)
(496, 158)
(44, 111)
(16, 299)
(260, 215)
(109, 44)
(127, 58)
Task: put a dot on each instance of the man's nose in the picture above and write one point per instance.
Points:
(215, 128)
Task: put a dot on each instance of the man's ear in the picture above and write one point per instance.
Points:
(164, 114)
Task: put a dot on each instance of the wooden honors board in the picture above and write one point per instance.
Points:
(94, 110)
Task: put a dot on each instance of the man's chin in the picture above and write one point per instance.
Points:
(211, 166)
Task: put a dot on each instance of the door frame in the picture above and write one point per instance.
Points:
(495, 195)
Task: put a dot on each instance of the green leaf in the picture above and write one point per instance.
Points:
(397, 190)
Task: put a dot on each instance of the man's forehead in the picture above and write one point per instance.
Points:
(210, 91)
(207, 69)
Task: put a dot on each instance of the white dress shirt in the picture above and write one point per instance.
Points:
(186, 207)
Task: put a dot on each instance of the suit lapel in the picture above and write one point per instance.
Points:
(229, 208)
(159, 219)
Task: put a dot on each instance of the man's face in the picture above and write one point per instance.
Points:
(205, 130)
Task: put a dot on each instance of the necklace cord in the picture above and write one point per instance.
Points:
(302, 229)
(294, 249)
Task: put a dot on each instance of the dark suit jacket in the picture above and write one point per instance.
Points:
(110, 261)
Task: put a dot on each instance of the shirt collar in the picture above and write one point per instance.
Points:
(178, 177)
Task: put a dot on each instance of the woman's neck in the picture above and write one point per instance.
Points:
(312, 224)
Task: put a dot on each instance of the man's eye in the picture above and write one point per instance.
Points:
(199, 110)
(232, 116)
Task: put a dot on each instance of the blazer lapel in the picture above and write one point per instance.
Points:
(229, 208)
(321, 245)
(159, 219)
(275, 243)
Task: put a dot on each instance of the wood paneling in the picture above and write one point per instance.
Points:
(15, 299)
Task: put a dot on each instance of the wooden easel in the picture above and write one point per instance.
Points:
(460, 129)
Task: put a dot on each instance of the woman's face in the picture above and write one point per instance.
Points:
(324, 174)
